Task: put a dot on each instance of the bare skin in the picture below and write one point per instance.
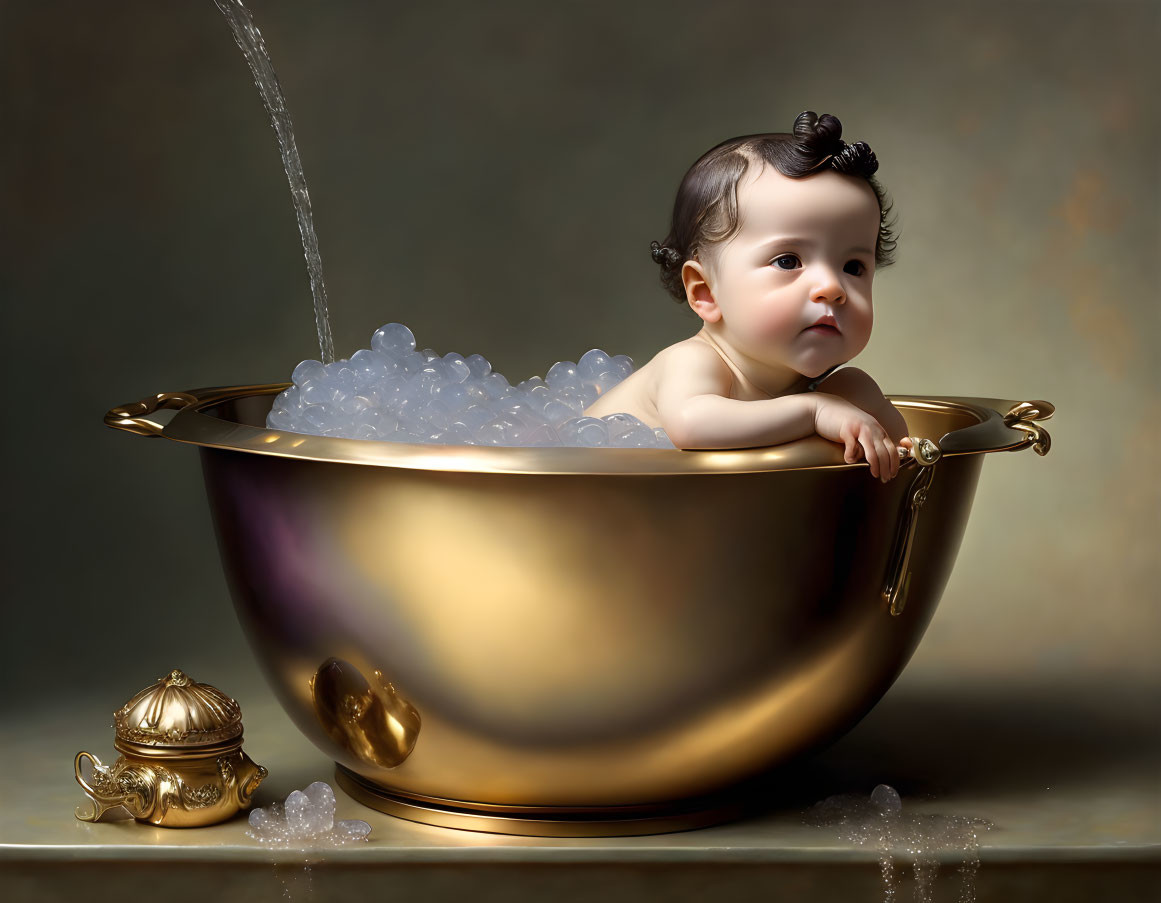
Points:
(804, 253)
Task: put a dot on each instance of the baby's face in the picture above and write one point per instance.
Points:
(805, 251)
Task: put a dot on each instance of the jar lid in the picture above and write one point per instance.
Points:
(178, 712)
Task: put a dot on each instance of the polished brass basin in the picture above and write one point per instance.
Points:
(577, 641)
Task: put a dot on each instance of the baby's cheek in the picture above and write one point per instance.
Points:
(859, 327)
(778, 324)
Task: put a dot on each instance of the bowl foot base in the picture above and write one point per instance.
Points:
(539, 821)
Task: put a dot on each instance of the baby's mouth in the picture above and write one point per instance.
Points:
(825, 326)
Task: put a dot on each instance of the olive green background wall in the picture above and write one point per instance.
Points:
(492, 174)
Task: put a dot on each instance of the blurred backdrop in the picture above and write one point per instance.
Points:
(492, 175)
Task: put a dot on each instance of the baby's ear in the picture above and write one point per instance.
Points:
(698, 294)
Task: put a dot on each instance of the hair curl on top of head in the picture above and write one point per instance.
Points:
(817, 136)
(856, 160)
(706, 209)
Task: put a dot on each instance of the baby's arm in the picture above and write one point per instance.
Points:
(857, 387)
(879, 437)
(696, 412)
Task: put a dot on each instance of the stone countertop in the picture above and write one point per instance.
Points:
(1069, 776)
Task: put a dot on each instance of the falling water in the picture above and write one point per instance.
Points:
(250, 40)
(880, 822)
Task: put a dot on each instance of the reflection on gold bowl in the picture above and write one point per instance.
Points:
(577, 641)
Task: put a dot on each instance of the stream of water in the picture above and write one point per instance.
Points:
(906, 837)
(249, 39)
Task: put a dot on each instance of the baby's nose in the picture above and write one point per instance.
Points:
(828, 292)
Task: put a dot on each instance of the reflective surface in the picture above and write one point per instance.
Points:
(371, 722)
(1066, 769)
(695, 619)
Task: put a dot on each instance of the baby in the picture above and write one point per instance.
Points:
(774, 244)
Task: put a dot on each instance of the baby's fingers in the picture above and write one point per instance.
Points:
(888, 458)
(870, 446)
(850, 445)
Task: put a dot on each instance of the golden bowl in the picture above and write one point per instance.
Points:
(577, 641)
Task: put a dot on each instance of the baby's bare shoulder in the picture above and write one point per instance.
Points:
(691, 355)
(690, 368)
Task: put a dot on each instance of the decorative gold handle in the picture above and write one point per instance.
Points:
(1007, 426)
(131, 417)
(1022, 416)
(925, 453)
(990, 434)
(106, 796)
(98, 808)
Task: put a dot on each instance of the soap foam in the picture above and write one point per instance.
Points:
(879, 821)
(395, 393)
(307, 817)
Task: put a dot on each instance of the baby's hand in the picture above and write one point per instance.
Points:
(860, 433)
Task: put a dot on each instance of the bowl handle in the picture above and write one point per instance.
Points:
(898, 580)
(1009, 425)
(132, 417)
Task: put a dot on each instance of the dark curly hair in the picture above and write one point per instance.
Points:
(706, 209)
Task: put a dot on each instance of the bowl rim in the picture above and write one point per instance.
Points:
(196, 423)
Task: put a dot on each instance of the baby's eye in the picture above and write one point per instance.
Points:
(778, 262)
(858, 267)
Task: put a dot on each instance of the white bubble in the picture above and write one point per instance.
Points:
(588, 394)
(557, 412)
(478, 365)
(307, 370)
(562, 375)
(587, 432)
(316, 416)
(351, 829)
(454, 395)
(307, 817)
(371, 366)
(279, 420)
(393, 338)
(318, 393)
(320, 812)
(626, 431)
(474, 416)
(495, 384)
(624, 364)
(886, 799)
(592, 364)
(456, 368)
(457, 434)
(394, 393)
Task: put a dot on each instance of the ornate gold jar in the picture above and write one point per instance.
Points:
(570, 641)
(181, 762)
